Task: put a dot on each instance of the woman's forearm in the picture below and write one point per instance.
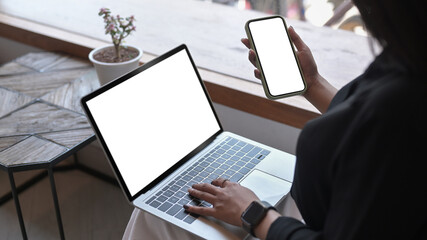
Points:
(262, 229)
(320, 93)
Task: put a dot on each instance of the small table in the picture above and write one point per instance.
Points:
(41, 121)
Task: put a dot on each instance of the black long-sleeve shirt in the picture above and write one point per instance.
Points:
(361, 170)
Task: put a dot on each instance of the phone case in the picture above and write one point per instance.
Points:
(258, 65)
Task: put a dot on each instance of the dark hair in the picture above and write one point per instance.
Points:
(400, 27)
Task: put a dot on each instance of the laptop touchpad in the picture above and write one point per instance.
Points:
(266, 186)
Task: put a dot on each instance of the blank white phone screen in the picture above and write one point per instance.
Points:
(152, 120)
(274, 51)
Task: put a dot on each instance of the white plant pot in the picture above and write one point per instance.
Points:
(110, 71)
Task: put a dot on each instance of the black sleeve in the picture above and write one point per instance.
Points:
(379, 182)
(289, 228)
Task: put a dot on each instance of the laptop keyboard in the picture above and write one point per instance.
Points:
(231, 159)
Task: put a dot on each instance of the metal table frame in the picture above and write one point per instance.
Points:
(50, 167)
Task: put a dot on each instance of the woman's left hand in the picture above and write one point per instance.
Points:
(229, 200)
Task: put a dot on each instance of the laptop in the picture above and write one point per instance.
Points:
(160, 132)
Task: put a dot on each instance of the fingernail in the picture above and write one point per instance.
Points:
(186, 207)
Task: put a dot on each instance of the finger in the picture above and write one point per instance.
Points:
(220, 182)
(252, 57)
(206, 187)
(205, 211)
(296, 39)
(257, 74)
(202, 195)
(245, 41)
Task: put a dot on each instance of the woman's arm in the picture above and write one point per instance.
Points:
(262, 229)
(319, 91)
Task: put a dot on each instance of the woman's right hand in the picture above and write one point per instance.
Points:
(319, 92)
(306, 60)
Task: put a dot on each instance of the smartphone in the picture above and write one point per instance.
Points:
(281, 74)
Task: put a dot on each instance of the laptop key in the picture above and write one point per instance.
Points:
(204, 174)
(235, 168)
(225, 147)
(198, 169)
(213, 176)
(174, 188)
(265, 152)
(204, 164)
(150, 200)
(179, 195)
(244, 170)
(230, 162)
(220, 151)
(220, 160)
(232, 142)
(206, 180)
(240, 154)
(183, 201)
(215, 164)
(229, 172)
(193, 173)
(254, 151)
(198, 179)
(247, 148)
(236, 148)
(190, 219)
(181, 214)
(255, 161)
(165, 206)
(236, 177)
(155, 204)
(168, 193)
(224, 167)
(173, 199)
(250, 165)
(173, 210)
(240, 163)
(162, 198)
(186, 178)
(182, 182)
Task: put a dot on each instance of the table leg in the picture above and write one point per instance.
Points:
(17, 205)
(55, 201)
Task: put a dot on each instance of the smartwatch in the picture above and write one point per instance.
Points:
(254, 214)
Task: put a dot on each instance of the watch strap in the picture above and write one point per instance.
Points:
(250, 228)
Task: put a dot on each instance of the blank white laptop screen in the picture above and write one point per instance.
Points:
(152, 120)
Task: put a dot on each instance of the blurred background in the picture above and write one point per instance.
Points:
(337, 14)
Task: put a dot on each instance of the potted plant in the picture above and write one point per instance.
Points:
(114, 60)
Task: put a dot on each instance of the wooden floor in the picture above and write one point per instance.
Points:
(90, 208)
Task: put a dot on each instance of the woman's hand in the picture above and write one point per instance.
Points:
(319, 92)
(229, 200)
(308, 65)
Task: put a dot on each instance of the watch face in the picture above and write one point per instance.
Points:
(253, 213)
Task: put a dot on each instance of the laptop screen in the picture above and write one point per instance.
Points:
(152, 120)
